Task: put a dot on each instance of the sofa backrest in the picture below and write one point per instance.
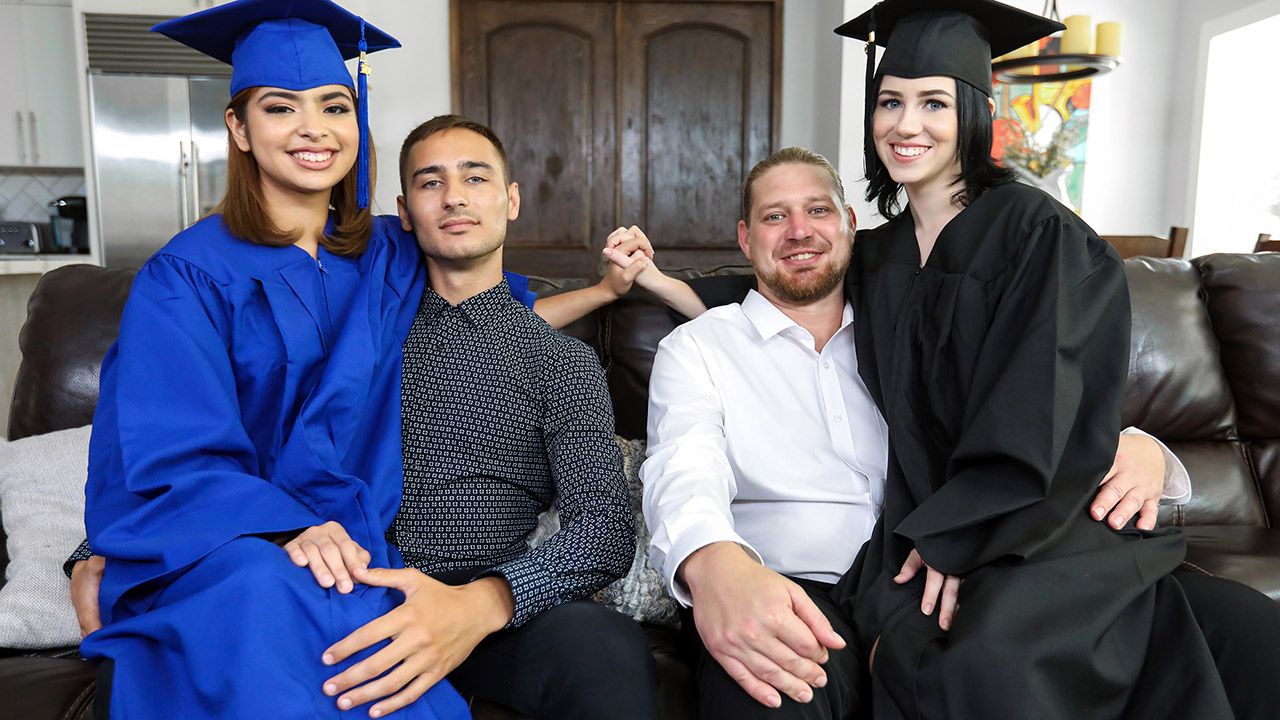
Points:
(73, 317)
(1243, 297)
(1204, 363)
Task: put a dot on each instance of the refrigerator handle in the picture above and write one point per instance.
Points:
(22, 138)
(183, 197)
(195, 179)
(35, 139)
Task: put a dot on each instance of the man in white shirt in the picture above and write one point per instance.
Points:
(767, 461)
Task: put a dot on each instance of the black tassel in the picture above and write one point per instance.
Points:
(868, 143)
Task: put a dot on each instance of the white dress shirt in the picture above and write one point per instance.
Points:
(757, 438)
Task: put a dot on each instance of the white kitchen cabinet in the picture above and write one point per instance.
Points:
(40, 119)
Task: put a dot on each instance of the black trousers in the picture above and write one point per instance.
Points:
(1242, 628)
(846, 694)
(576, 660)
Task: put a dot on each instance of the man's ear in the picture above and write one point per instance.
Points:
(239, 130)
(402, 209)
(992, 103)
(513, 201)
(853, 220)
(744, 241)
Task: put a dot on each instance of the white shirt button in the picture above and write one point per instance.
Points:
(837, 418)
(826, 365)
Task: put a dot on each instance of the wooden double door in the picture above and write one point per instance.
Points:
(621, 113)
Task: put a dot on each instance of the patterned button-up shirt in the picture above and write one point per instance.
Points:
(502, 415)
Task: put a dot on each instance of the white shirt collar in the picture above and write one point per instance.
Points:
(768, 320)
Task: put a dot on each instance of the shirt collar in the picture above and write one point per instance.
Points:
(479, 309)
(768, 320)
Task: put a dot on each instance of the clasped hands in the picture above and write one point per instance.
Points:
(430, 634)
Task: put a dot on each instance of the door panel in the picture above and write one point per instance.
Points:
(541, 75)
(696, 113)
(621, 113)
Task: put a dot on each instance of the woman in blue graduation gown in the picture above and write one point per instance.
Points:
(993, 331)
(251, 396)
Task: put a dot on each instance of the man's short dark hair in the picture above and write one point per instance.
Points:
(441, 123)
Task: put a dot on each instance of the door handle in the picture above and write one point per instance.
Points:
(22, 139)
(35, 139)
(195, 180)
(183, 199)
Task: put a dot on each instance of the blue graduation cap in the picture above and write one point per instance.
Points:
(290, 44)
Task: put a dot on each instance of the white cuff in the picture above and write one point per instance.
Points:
(1177, 482)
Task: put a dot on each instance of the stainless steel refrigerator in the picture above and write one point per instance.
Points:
(160, 158)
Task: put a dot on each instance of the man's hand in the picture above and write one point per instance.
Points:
(935, 583)
(761, 627)
(86, 578)
(330, 553)
(1133, 485)
(435, 629)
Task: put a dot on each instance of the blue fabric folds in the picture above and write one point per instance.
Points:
(253, 390)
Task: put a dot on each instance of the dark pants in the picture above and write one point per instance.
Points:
(576, 660)
(1242, 628)
(845, 695)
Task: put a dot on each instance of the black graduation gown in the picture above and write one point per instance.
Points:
(1000, 367)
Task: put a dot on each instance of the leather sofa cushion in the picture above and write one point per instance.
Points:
(1243, 298)
(1243, 554)
(1265, 457)
(51, 688)
(636, 324)
(1223, 492)
(1176, 389)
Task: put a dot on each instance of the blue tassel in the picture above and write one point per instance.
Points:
(362, 118)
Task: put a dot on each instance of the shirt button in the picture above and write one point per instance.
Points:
(826, 365)
(837, 418)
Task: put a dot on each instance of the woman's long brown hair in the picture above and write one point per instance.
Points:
(244, 210)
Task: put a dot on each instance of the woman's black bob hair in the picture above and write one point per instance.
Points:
(979, 172)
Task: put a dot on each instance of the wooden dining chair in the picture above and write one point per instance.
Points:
(1266, 244)
(1151, 245)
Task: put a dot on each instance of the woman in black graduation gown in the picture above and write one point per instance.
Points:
(993, 331)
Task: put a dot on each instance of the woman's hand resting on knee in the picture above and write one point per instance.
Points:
(330, 553)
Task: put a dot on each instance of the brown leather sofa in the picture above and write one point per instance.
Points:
(1204, 376)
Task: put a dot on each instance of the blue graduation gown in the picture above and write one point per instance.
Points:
(253, 390)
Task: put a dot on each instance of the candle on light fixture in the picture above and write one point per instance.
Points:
(1077, 39)
(1110, 35)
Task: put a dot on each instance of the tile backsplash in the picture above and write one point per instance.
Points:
(25, 193)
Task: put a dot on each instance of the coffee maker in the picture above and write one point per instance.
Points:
(69, 219)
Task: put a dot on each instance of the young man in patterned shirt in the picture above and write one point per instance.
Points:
(501, 416)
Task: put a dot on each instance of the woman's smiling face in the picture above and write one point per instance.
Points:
(304, 141)
(915, 127)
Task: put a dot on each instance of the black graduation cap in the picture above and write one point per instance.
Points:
(290, 44)
(953, 38)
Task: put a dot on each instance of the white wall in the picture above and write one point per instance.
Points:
(408, 85)
(811, 76)
(411, 84)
